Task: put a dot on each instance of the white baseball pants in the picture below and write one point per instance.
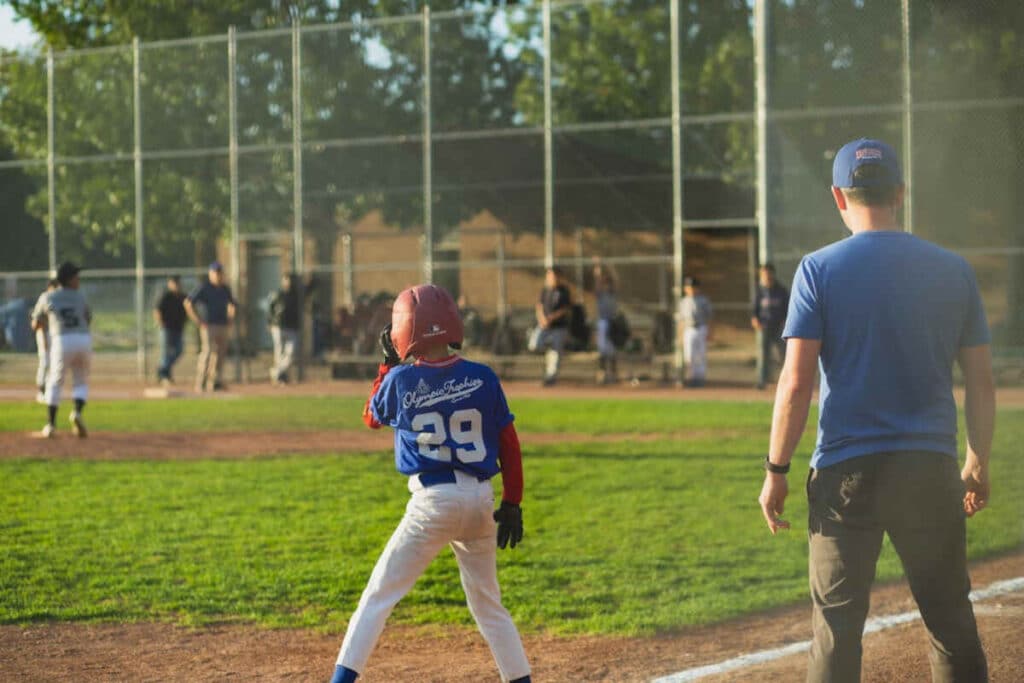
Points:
(285, 341)
(553, 339)
(72, 351)
(695, 352)
(459, 515)
(43, 351)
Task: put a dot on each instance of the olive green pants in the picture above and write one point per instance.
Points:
(917, 498)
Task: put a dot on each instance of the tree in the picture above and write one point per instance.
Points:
(612, 62)
(356, 82)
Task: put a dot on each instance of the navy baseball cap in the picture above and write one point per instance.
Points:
(862, 152)
(216, 266)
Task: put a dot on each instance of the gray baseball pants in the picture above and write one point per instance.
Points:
(917, 498)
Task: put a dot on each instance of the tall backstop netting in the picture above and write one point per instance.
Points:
(474, 146)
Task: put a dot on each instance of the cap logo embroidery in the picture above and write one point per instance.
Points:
(868, 153)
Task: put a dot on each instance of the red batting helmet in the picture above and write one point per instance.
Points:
(423, 315)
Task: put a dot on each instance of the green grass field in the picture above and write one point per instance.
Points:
(625, 536)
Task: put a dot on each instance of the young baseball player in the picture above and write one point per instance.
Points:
(453, 432)
(695, 324)
(67, 319)
(42, 340)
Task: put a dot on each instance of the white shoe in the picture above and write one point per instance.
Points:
(77, 426)
(48, 431)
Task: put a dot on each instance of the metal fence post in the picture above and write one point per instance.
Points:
(764, 242)
(51, 163)
(347, 263)
(428, 160)
(298, 255)
(140, 247)
(761, 105)
(908, 123)
(549, 162)
(678, 256)
(499, 256)
(236, 250)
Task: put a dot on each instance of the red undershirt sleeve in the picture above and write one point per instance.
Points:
(511, 458)
(368, 418)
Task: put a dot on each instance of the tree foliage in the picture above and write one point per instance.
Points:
(611, 62)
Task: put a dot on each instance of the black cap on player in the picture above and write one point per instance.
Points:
(66, 271)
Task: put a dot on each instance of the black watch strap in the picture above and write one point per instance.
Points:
(775, 469)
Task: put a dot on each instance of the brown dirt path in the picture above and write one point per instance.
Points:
(163, 652)
(1006, 396)
(248, 445)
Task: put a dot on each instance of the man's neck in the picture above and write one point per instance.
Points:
(873, 219)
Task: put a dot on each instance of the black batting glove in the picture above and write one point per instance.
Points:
(510, 524)
(391, 358)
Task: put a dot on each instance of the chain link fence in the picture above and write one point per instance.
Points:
(474, 148)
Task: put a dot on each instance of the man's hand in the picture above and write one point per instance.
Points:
(773, 500)
(391, 358)
(510, 524)
(755, 323)
(975, 476)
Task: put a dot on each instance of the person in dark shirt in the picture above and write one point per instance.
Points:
(769, 318)
(169, 314)
(284, 317)
(219, 310)
(553, 309)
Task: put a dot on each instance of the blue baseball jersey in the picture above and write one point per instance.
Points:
(445, 416)
(891, 311)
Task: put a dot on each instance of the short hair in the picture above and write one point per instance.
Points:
(873, 195)
(770, 267)
(557, 270)
(176, 279)
(53, 283)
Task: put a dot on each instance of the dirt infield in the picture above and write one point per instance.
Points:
(163, 652)
(715, 391)
(252, 444)
(166, 652)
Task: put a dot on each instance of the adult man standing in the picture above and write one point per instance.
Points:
(768, 317)
(219, 304)
(553, 309)
(886, 314)
(169, 314)
(39, 320)
(284, 318)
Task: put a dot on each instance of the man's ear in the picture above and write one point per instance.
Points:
(840, 198)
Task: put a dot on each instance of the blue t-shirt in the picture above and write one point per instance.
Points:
(215, 299)
(891, 311)
(445, 416)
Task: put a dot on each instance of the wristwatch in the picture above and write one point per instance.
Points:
(775, 469)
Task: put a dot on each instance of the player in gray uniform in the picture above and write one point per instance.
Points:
(68, 318)
(38, 316)
(695, 327)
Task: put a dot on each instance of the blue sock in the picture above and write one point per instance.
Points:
(343, 674)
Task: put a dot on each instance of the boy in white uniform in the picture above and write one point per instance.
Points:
(695, 323)
(68, 319)
(38, 317)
